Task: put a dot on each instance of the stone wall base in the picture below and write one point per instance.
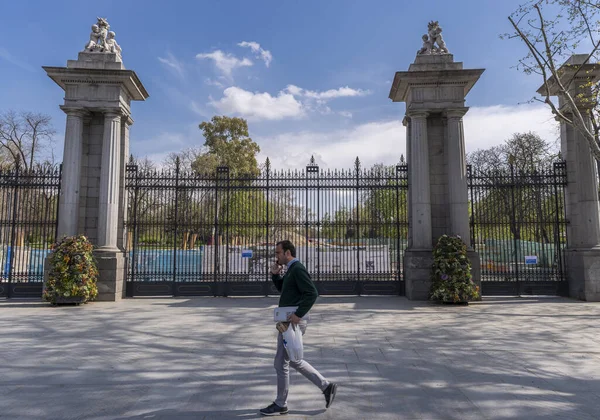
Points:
(111, 279)
(417, 274)
(583, 273)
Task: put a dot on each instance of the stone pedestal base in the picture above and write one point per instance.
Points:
(94, 60)
(417, 272)
(583, 273)
(111, 279)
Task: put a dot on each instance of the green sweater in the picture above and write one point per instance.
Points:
(297, 289)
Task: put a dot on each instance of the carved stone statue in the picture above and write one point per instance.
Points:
(426, 49)
(104, 27)
(433, 37)
(440, 41)
(101, 39)
(94, 39)
(111, 44)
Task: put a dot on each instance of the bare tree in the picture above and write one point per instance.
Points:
(24, 137)
(186, 158)
(524, 151)
(554, 30)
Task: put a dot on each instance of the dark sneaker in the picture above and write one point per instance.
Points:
(330, 394)
(274, 410)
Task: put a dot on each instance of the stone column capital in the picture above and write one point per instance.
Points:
(127, 120)
(112, 112)
(74, 111)
(418, 113)
(456, 112)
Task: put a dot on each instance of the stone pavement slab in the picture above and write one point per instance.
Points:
(212, 358)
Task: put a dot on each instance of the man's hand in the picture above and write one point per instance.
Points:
(276, 268)
(293, 318)
(282, 326)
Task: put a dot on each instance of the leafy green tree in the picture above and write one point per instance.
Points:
(510, 194)
(245, 213)
(227, 143)
(383, 212)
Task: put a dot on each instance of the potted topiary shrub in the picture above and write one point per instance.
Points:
(451, 272)
(72, 272)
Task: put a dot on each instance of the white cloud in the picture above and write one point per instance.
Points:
(490, 126)
(292, 102)
(258, 106)
(385, 141)
(225, 62)
(374, 142)
(294, 90)
(265, 55)
(328, 94)
(210, 82)
(173, 64)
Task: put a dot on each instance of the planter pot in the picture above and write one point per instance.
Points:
(71, 300)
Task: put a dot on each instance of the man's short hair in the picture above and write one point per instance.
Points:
(287, 246)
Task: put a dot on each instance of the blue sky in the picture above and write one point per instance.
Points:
(317, 85)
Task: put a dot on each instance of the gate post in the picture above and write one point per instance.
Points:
(434, 90)
(98, 94)
(582, 206)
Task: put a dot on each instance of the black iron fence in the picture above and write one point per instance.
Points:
(28, 221)
(215, 233)
(519, 229)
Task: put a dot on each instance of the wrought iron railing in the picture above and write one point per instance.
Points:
(519, 228)
(28, 222)
(215, 233)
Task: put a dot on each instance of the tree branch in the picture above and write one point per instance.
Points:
(546, 61)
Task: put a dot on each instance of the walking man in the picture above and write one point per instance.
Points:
(297, 289)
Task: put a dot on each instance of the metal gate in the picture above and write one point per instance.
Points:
(28, 222)
(214, 234)
(519, 229)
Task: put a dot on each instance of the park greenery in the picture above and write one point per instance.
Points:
(228, 200)
(512, 198)
(232, 204)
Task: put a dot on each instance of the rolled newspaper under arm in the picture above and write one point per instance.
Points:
(283, 313)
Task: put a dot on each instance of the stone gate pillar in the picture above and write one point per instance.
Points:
(98, 94)
(582, 206)
(434, 90)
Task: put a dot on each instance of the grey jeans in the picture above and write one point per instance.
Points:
(282, 367)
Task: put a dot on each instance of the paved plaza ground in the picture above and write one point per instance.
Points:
(211, 358)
